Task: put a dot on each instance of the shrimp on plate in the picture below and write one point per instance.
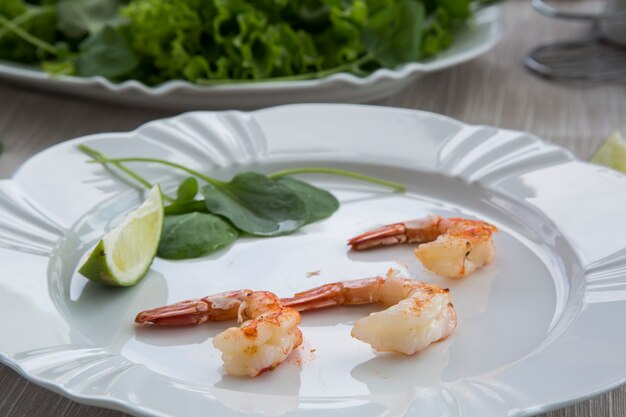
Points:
(453, 247)
(262, 342)
(418, 314)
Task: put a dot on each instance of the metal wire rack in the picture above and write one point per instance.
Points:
(599, 58)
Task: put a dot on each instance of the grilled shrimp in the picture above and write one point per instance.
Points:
(262, 342)
(418, 314)
(453, 247)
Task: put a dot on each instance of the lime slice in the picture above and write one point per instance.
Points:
(125, 254)
(612, 153)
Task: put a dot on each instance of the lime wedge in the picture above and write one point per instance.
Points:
(125, 254)
(612, 153)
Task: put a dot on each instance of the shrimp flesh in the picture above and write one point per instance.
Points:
(262, 342)
(418, 313)
(453, 247)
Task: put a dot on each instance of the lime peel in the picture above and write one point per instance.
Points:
(612, 153)
(123, 256)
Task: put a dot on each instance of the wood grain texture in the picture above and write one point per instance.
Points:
(494, 89)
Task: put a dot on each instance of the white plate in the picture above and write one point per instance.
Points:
(469, 43)
(540, 327)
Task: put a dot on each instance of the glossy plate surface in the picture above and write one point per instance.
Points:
(480, 36)
(537, 329)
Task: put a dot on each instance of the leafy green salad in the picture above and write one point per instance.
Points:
(219, 41)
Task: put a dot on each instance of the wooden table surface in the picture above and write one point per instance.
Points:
(494, 89)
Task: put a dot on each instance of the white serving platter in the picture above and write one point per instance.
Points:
(539, 328)
(475, 39)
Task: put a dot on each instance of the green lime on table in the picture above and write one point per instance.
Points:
(124, 255)
(612, 153)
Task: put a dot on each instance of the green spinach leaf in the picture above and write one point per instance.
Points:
(458, 9)
(193, 235)
(187, 190)
(319, 203)
(394, 34)
(77, 18)
(185, 207)
(257, 204)
(107, 54)
(27, 33)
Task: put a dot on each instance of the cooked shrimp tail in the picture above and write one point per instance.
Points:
(453, 247)
(222, 306)
(413, 231)
(353, 292)
(418, 314)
